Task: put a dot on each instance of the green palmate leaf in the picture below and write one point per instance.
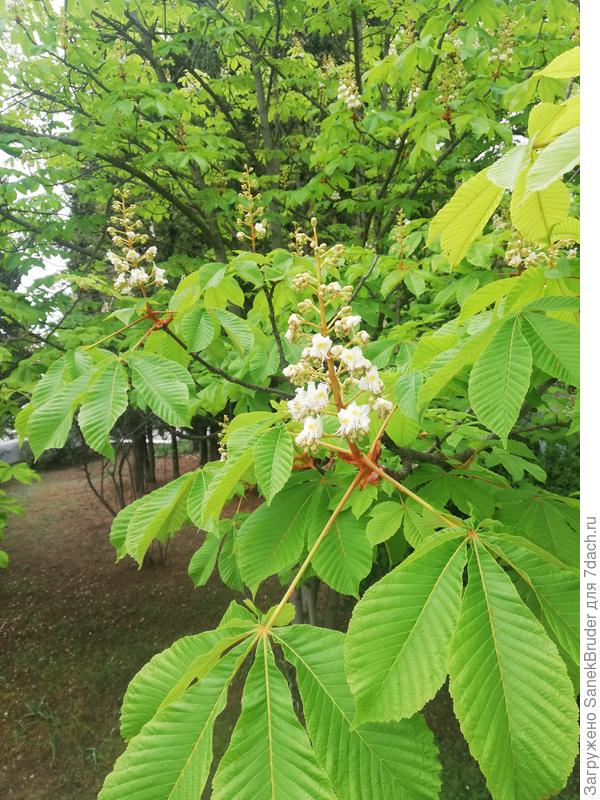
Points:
(463, 218)
(541, 119)
(568, 118)
(118, 529)
(203, 562)
(150, 686)
(269, 756)
(248, 424)
(22, 421)
(465, 490)
(555, 346)
(530, 286)
(505, 171)
(344, 557)
(464, 354)
(227, 563)
(264, 363)
(361, 500)
(157, 515)
(419, 525)
(51, 381)
(78, 363)
(484, 297)
(403, 428)
(236, 328)
(548, 120)
(381, 761)
(272, 538)
(428, 347)
(163, 385)
(511, 691)
(547, 522)
(406, 392)
(50, 423)
(558, 157)
(103, 404)
(284, 617)
(535, 214)
(565, 65)
(500, 377)
(227, 291)
(199, 329)
(555, 303)
(222, 485)
(4, 559)
(195, 496)
(203, 663)
(171, 756)
(171, 350)
(248, 270)
(399, 635)
(556, 586)
(273, 459)
(386, 519)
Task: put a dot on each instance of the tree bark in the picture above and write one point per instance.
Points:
(175, 454)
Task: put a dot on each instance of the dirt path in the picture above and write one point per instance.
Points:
(74, 629)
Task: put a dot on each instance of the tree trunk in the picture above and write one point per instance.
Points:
(174, 454)
(151, 454)
(140, 456)
(331, 612)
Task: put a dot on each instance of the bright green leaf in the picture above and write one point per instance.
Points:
(104, 402)
(269, 756)
(511, 691)
(500, 378)
(399, 635)
(273, 459)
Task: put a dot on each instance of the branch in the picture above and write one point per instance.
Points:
(313, 550)
(125, 164)
(33, 334)
(364, 279)
(269, 295)
(218, 371)
(357, 49)
(400, 146)
(55, 238)
(408, 454)
(447, 521)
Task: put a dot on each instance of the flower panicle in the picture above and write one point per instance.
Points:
(135, 266)
(348, 91)
(251, 227)
(332, 361)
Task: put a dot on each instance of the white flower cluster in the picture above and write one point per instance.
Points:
(328, 64)
(348, 93)
(519, 255)
(501, 55)
(135, 267)
(296, 49)
(503, 51)
(413, 93)
(403, 39)
(357, 388)
(249, 212)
